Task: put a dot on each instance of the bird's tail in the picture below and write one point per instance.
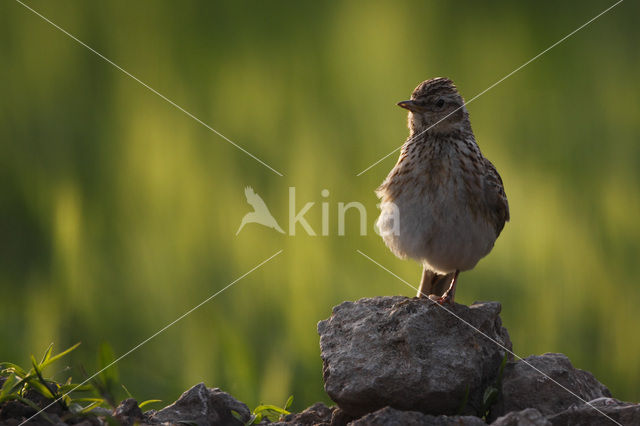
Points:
(242, 224)
(434, 283)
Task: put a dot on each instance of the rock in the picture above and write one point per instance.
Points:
(391, 417)
(128, 412)
(317, 414)
(101, 412)
(50, 407)
(341, 417)
(410, 354)
(583, 414)
(16, 410)
(528, 417)
(524, 387)
(204, 406)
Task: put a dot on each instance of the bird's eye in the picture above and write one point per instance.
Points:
(439, 103)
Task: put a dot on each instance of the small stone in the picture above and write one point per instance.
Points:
(341, 417)
(204, 406)
(610, 409)
(101, 412)
(525, 387)
(316, 414)
(391, 417)
(128, 408)
(411, 354)
(528, 417)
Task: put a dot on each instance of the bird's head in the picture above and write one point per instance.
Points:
(436, 103)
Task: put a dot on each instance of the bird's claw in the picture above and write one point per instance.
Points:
(445, 299)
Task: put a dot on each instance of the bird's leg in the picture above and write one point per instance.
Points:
(425, 284)
(428, 283)
(449, 295)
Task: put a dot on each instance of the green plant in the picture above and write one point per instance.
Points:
(20, 382)
(464, 402)
(492, 392)
(106, 383)
(271, 412)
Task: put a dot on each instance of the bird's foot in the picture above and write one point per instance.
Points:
(445, 299)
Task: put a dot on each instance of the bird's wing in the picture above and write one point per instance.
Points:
(496, 197)
(254, 199)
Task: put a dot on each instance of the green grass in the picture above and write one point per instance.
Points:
(265, 411)
(19, 383)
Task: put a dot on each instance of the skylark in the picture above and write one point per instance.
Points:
(451, 201)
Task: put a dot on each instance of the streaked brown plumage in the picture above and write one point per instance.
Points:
(450, 198)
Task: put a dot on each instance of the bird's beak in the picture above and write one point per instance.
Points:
(411, 106)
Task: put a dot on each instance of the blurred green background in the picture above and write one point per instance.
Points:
(118, 212)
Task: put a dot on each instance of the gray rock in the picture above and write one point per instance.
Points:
(524, 387)
(341, 417)
(317, 414)
(528, 417)
(128, 412)
(204, 406)
(410, 354)
(101, 412)
(391, 417)
(624, 413)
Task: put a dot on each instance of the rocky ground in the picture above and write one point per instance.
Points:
(400, 361)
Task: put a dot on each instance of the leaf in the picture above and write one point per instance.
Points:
(90, 407)
(100, 400)
(58, 356)
(288, 403)
(12, 367)
(41, 385)
(239, 417)
(463, 404)
(68, 387)
(47, 354)
(106, 358)
(8, 386)
(267, 407)
(127, 391)
(149, 401)
(41, 389)
(501, 370)
(492, 392)
(489, 397)
(255, 419)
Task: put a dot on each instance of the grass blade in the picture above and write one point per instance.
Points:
(288, 403)
(149, 401)
(8, 387)
(47, 354)
(13, 367)
(58, 356)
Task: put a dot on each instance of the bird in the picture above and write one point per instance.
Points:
(443, 204)
(260, 213)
